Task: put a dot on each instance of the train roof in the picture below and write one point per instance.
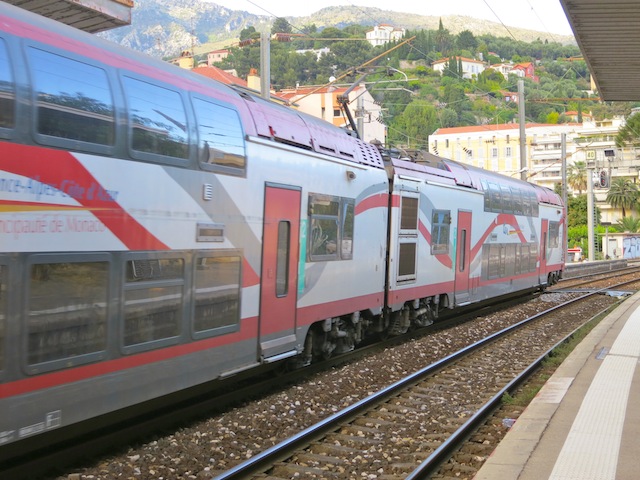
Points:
(260, 117)
(439, 169)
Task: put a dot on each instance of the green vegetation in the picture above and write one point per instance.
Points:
(430, 100)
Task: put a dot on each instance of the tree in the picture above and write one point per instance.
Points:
(444, 39)
(577, 211)
(249, 33)
(577, 176)
(623, 194)
(413, 126)
(629, 224)
(280, 25)
(630, 132)
(465, 40)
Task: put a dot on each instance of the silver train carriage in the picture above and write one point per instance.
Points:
(159, 230)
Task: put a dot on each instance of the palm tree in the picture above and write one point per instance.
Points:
(623, 193)
(577, 176)
(629, 224)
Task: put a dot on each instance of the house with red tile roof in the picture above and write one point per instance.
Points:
(522, 70)
(222, 76)
(573, 115)
(526, 70)
(322, 102)
(216, 56)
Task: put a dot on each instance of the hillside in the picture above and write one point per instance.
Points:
(163, 28)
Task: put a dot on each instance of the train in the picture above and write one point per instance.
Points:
(160, 231)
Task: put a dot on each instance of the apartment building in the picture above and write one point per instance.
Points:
(497, 148)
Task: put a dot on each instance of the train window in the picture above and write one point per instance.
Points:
(518, 266)
(282, 261)
(510, 259)
(494, 193)
(463, 250)
(153, 299)
(440, 225)
(348, 217)
(527, 203)
(554, 234)
(516, 196)
(407, 260)
(221, 140)
(409, 213)
(157, 119)
(3, 312)
(217, 295)
(331, 226)
(487, 195)
(506, 204)
(533, 257)
(491, 259)
(73, 99)
(7, 89)
(66, 310)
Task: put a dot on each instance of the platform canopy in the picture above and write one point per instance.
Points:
(608, 33)
(89, 15)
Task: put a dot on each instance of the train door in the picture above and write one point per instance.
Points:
(544, 232)
(279, 278)
(463, 260)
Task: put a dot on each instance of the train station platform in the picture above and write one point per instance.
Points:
(584, 424)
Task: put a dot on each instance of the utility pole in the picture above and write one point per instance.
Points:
(360, 115)
(590, 215)
(523, 131)
(563, 154)
(265, 66)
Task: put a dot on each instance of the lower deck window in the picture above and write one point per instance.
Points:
(217, 293)
(66, 310)
(153, 299)
(3, 312)
(331, 227)
(500, 260)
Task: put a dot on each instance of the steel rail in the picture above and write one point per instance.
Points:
(263, 460)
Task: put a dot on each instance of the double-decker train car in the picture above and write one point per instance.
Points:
(462, 235)
(159, 230)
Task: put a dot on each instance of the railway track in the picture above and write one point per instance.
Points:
(408, 429)
(180, 417)
(593, 281)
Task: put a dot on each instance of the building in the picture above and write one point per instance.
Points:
(383, 33)
(222, 76)
(470, 67)
(522, 70)
(526, 70)
(318, 52)
(497, 148)
(322, 102)
(216, 56)
(185, 60)
(573, 115)
(492, 147)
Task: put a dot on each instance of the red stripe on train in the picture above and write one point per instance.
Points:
(86, 372)
(62, 171)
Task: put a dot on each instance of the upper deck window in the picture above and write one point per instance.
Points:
(7, 89)
(157, 119)
(221, 140)
(73, 99)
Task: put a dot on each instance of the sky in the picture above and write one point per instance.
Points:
(542, 15)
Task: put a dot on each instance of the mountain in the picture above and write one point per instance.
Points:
(164, 28)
